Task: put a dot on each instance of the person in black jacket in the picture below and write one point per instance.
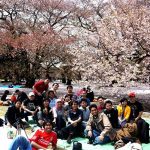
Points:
(112, 114)
(14, 114)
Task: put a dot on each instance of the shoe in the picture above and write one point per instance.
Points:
(90, 141)
(69, 139)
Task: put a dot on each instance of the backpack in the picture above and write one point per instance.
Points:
(144, 132)
(77, 145)
(1, 122)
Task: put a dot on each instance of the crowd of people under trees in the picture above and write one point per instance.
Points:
(74, 115)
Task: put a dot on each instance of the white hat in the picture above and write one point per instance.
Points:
(58, 100)
(31, 94)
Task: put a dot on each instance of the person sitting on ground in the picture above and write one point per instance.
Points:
(71, 93)
(39, 88)
(52, 98)
(45, 113)
(14, 115)
(123, 112)
(59, 115)
(30, 107)
(73, 129)
(21, 95)
(44, 139)
(135, 116)
(101, 105)
(111, 113)
(54, 88)
(90, 94)
(4, 100)
(98, 127)
(83, 96)
(86, 113)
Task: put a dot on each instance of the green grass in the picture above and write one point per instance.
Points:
(3, 110)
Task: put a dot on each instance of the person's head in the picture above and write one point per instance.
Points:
(108, 105)
(47, 81)
(93, 109)
(132, 97)
(46, 102)
(124, 101)
(69, 88)
(31, 96)
(59, 103)
(17, 92)
(51, 94)
(18, 104)
(83, 103)
(48, 126)
(101, 99)
(67, 98)
(55, 86)
(83, 94)
(75, 105)
(6, 92)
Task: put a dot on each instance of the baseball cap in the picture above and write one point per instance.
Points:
(58, 100)
(31, 94)
(131, 94)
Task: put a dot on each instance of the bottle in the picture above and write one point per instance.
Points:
(10, 134)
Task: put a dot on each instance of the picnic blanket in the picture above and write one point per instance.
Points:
(62, 144)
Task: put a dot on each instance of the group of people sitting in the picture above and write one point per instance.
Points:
(75, 115)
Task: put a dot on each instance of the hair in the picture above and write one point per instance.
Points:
(55, 83)
(107, 102)
(17, 91)
(6, 92)
(83, 100)
(123, 99)
(18, 101)
(69, 86)
(101, 97)
(47, 121)
(92, 105)
(50, 92)
(75, 102)
(45, 99)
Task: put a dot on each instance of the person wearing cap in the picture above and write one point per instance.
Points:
(30, 106)
(136, 107)
(136, 116)
(123, 111)
(59, 115)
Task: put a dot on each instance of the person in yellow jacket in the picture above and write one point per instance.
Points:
(123, 111)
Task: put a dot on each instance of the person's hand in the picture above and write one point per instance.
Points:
(90, 133)
(74, 124)
(39, 94)
(101, 138)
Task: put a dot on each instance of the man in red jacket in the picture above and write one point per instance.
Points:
(39, 87)
(44, 139)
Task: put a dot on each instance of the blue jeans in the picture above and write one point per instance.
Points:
(95, 137)
(20, 142)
